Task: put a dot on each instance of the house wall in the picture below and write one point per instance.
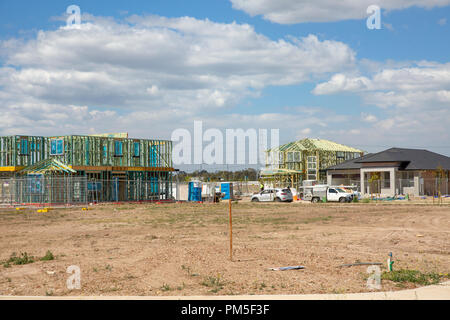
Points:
(402, 182)
(17, 152)
(21, 151)
(343, 177)
(324, 159)
(385, 192)
(103, 151)
(413, 183)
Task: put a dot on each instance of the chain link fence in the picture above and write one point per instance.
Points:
(65, 191)
(210, 189)
(117, 190)
(432, 187)
(413, 187)
(43, 190)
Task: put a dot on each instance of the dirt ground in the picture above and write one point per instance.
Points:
(183, 249)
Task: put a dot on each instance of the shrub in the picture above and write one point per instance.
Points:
(23, 259)
(412, 276)
(165, 287)
(48, 256)
(212, 281)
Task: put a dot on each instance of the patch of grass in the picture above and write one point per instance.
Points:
(24, 258)
(412, 276)
(113, 289)
(165, 287)
(366, 200)
(49, 293)
(317, 219)
(108, 267)
(189, 271)
(264, 220)
(400, 285)
(338, 291)
(48, 256)
(126, 208)
(213, 282)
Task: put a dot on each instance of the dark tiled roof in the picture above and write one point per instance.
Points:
(414, 159)
(349, 164)
(411, 159)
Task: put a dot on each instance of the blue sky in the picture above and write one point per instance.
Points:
(332, 78)
(417, 34)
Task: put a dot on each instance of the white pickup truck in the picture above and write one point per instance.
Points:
(331, 194)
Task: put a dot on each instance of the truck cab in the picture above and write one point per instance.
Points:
(331, 194)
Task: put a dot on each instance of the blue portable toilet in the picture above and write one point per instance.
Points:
(195, 191)
(227, 189)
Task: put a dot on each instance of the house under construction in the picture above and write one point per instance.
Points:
(77, 169)
(307, 159)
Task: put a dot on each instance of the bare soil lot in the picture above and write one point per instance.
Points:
(183, 249)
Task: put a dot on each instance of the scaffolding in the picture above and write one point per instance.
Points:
(113, 166)
(84, 152)
(307, 159)
(48, 191)
(40, 190)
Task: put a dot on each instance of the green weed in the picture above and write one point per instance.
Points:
(24, 258)
(213, 282)
(412, 276)
(165, 287)
(48, 256)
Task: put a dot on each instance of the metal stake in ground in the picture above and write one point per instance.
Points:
(231, 231)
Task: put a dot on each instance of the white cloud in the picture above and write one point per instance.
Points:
(152, 64)
(368, 117)
(341, 83)
(299, 11)
(388, 26)
(426, 85)
(305, 131)
(154, 90)
(152, 75)
(442, 22)
(415, 104)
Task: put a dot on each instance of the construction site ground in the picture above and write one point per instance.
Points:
(183, 249)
